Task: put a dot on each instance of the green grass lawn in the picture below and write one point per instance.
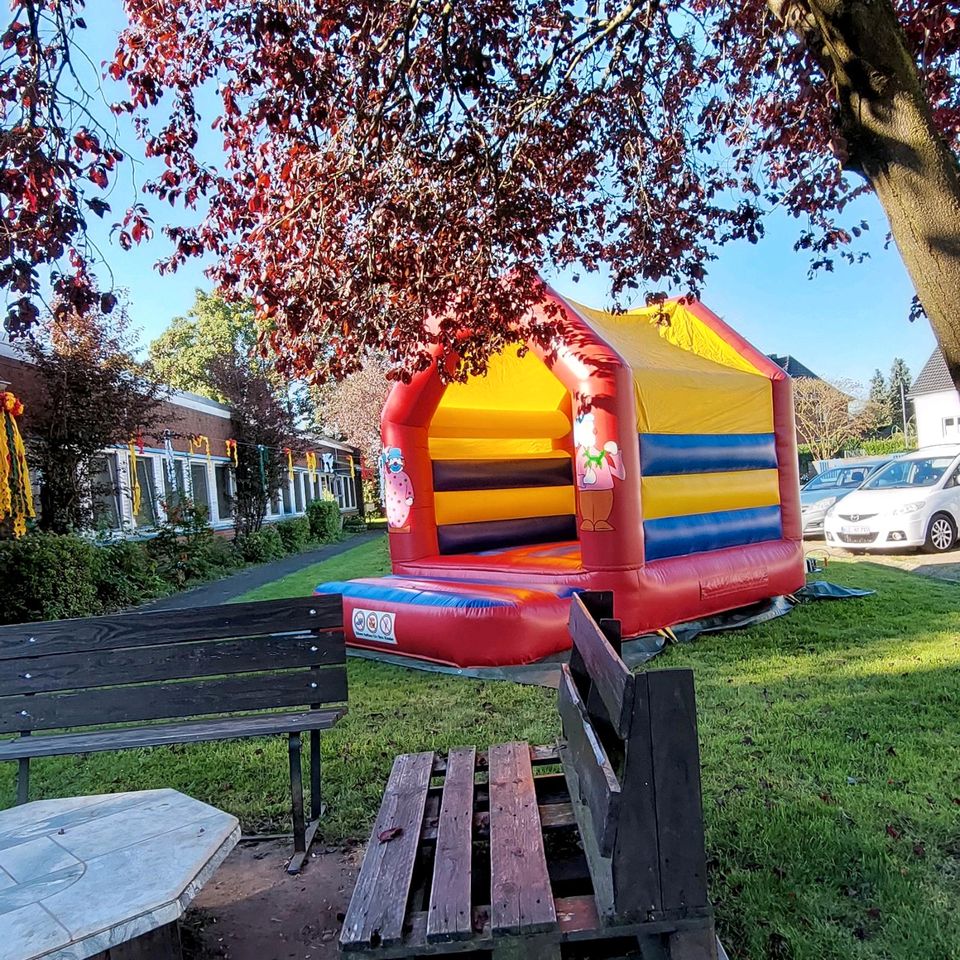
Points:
(830, 748)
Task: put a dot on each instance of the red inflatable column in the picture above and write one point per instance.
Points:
(407, 471)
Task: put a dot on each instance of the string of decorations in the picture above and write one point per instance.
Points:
(16, 496)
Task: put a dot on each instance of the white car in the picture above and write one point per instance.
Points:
(913, 501)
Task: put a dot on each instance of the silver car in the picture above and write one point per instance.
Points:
(825, 489)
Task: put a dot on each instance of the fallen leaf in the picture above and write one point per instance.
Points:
(892, 831)
(919, 850)
(391, 833)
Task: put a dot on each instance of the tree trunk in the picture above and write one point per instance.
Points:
(893, 141)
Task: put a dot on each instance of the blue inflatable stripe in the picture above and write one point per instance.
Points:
(680, 536)
(667, 454)
(419, 598)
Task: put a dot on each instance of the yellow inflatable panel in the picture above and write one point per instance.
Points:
(512, 382)
(486, 448)
(683, 495)
(471, 506)
(686, 402)
(466, 422)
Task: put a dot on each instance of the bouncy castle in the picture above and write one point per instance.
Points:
(651, 453)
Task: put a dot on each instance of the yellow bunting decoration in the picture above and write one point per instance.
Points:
(312, 466)
(16, 496)
(198, 440)
(289, 454)
(231, 446)
(135, 491)
(352, 468)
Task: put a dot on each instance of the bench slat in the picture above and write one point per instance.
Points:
(609, 675)
(599, 786)
(521, 899)
(209, 658)
(159, 735)
(148, 628)
(378, 906)
(48, 711)
(449, 915)
(676, 768)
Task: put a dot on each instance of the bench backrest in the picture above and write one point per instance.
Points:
(631, 741)
(172, 664)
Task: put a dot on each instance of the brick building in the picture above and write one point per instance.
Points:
(170, 465)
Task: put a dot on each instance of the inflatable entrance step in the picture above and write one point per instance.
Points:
(462, 623)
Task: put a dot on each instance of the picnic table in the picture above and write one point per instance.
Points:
(105, 876)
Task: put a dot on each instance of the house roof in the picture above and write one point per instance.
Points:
(934, 377)
(792, 366)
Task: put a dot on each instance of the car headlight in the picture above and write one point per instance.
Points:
(909, 508)
(823, 504)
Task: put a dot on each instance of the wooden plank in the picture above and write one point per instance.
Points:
(379, 902)
(599, 786)
(521, 899)
(600, 867)
(608, 674)
(208, 658)
(448, 915)
(171, 626)
(636, 857)
(158, 735)
(676, 770)
(158, 701)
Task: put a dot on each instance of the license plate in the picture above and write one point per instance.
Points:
(855, 530)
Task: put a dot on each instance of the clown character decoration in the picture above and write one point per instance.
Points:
(596, 470)
(397, 490)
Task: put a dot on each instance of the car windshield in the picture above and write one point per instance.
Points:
(902, 474)
(853, 476)
(828, 479)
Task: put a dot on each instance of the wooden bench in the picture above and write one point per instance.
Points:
(236, 670)
(503, 852)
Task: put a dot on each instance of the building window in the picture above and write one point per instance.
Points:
(173, 492)
(105, 493)
(200, 487)
(298, 479)
(951, 426)
(147, 514)
(224, 496)
(287, 506)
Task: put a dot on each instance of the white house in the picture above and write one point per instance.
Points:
(936, 403)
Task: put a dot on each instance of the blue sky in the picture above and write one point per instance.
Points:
(841, 325)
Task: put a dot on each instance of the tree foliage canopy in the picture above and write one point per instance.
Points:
(387, 162)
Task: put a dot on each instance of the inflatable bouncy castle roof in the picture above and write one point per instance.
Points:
(651, 453)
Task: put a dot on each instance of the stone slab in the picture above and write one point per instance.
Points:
(83, 874)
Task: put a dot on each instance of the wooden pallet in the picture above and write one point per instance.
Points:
(464, 820)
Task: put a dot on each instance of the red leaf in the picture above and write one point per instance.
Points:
(391, 833)
(892, 831)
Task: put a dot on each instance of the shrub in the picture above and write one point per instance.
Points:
(48, 576)
(187, 550)
(325, 519)
(295, 533)
(126, 575)
(354, 524)
(260, 546)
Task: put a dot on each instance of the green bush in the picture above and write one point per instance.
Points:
(325, 519)
(354, 524)
(896, 443)
(260, 546)
(295, 533)
(187, 550)
(48, 576)
(126, 575)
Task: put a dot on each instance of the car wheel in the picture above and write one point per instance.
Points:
(941, 534)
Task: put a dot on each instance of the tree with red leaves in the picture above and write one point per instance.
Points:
(387, 162)
(57, 165)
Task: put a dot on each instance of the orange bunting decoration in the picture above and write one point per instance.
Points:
(231, 446)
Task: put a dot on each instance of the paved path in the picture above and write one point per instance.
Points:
(220, 591)
(939, 566)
